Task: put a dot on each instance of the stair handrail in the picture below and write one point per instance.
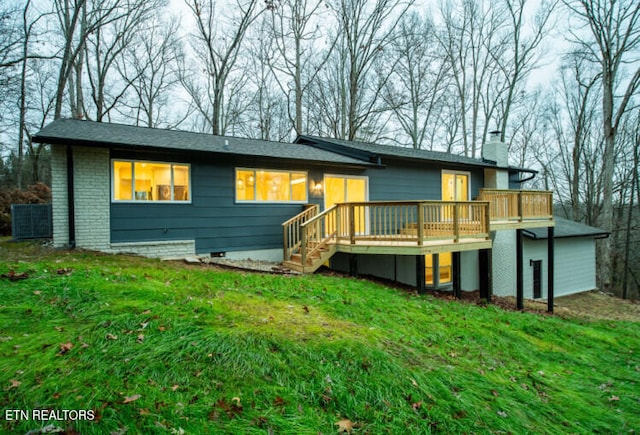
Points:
(314, 229)
(292, 230)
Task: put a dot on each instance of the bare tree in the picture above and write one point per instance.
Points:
(151, 67)
(523, 43)
(105, 47)
(217, 42)
(366, 30)
(472, 38)
(614, 27)
(419, 80)
(295, 25)
(77, 19)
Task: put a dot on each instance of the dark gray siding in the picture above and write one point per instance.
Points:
(401, 181)
(213, 218)
(219, 224)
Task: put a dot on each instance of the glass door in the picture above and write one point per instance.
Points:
(342, 188)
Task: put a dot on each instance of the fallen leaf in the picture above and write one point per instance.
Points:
(129, 399)
(495, 393)
(502, 414)
(614, 399)
(345, 425)
(64, 271)
(175, 387)
(140, 338)
(37, 292)
(161, 328)
(84, 345)
(13, 276)
(417, 405)
(58, 328)
(64, 348)
(144, 411)
(111, 336)
(14, 384)
(279, 401)
(146, 312)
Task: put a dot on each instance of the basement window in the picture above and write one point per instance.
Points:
(257, 185)
(144, 181)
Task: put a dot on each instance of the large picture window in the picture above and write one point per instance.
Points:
(258, 185)
(142, 181)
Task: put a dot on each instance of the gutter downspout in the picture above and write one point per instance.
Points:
(71, 199)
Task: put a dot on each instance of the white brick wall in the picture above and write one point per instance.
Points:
(92, 198)
(59, 196)
(160, 249)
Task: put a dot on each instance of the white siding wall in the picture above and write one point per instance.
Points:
(575, 265)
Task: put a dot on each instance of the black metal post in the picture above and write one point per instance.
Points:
(485, 266)
(457, 284)
(519, 272)
(420, 274)
(550, 268)
(353, 265)
(71, 211)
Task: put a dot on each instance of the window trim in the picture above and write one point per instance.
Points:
(255, 186)
(133, 175)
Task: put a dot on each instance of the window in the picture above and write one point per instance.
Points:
(141, 181)
(270, 186)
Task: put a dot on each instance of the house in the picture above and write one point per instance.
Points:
(419, 217)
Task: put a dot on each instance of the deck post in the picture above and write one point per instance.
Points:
(520, 207)
(485, 271)
(353, 265)
(456, 223)
(303, 246)
(285, 237)
(352, 224)
(338, 226)
(420, 222)
(420, 274)
(550, 268)
(519, 272)
(457, 282)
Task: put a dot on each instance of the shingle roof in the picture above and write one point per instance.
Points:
(102, 134)
(565, 228)
(373, 150)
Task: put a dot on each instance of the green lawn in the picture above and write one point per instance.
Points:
(153, 347)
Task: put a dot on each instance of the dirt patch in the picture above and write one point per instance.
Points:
(593, 305)
(598, 305)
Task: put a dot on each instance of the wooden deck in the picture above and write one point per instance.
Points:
(410, 227)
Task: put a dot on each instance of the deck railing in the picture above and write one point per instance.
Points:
(292, 232)
(411, 221)
(518, 205)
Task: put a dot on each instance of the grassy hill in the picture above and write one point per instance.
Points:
(153, 347)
